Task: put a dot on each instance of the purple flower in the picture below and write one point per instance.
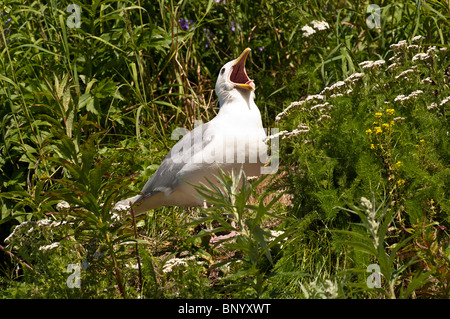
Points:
(186, 24)
(234, 25)
(8, 20)
(220, 1)
(209, 37)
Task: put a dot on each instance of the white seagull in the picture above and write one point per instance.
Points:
(232, 140)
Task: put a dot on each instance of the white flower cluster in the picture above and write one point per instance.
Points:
(336, 87)
(340, 87)
(432, 106)
(29, 226)
(322, 106)
(49, 247)
(393, 66)
(353, 78)
(178, 262)
(421, 57)
(309, 98)
(301, 129)
(445, 101)
(399, 46)
(402, 98)
(427, 80)
(369, 65)
(404, 74)
(63, 206)
(317, 25)
(417, 38)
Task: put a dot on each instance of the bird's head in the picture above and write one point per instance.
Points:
(233, 80)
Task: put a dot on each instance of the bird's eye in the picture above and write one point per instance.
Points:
(222, 71)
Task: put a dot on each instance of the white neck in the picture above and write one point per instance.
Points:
(239, 105)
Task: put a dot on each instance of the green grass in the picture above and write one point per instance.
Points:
(87, 113)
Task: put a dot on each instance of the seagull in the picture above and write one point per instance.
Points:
(233, 140)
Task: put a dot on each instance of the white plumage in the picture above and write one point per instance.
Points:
(231, 140)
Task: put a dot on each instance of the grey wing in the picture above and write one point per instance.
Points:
(165, 178)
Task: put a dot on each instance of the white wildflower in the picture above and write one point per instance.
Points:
(404, 73)
(400, 98)
(315, 97)
(323, 117)
(295, 132)
(420, 57)
(320, 106)
(432, 49)
(63, 206)
(275, 234)
(335, 87)
(286, 110)
(444, 101)
(427, 80)
(417, 38)
(399, 45)
(393, 58)
(270, 137)
(320, 25)
(303, 126)
(415, 93)
(413, 47)
(399, 119)
(49, 247)
(432, 106)
(443, 49)
(393, 66)
(44, 222)
(308, 31)
(177, 262)
(120, 207)
(354, 77)
(18, 229)
(366, 64)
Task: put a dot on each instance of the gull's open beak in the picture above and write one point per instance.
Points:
(238, 75)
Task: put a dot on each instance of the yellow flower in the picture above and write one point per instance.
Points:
(372, 147)
(385, 125)
(378, 130)
(378, 115)
(369, 131)
(422, 141)
(401, 182)
(390, 112)
(399, 164)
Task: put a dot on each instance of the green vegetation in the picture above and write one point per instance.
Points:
(361, 102)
